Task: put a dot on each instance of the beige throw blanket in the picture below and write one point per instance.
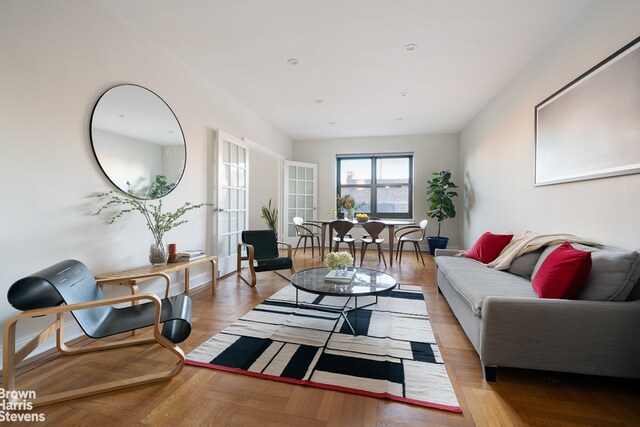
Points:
(530, 241)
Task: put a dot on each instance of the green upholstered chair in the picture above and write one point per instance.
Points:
(260, 249)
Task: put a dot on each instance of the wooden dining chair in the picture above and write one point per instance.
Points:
(411, 234)
(306, 230)
(373, 229)
(342, 228)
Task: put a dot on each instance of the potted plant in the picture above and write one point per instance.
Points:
(270, 215)
(158, 222)
(440, 197)
(347, 205)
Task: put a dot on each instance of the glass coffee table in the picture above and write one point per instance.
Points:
(365, 283)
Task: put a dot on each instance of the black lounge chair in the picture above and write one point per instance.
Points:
(261, 248)
(70, 287)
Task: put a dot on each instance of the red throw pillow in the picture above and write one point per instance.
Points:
(563, 273)
(488, 247)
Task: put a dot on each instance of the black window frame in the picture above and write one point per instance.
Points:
(374, 185)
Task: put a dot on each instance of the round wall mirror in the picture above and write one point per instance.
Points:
(138, 141)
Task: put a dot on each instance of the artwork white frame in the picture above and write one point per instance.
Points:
(591, 127)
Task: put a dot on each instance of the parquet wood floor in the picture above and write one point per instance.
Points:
(206, 397)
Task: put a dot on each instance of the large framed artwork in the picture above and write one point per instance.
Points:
(591, 127)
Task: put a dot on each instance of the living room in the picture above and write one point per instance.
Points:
(59, 57)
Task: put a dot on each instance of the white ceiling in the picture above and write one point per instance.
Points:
(351, 56)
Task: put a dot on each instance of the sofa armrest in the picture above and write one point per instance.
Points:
(590, 337)
(446, 252)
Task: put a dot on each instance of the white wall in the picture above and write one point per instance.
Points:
(431, 153)
(263, 176)
(497, 147)
(57, 59)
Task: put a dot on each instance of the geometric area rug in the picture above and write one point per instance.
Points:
(394, 355)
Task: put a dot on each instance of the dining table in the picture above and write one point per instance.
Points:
(390, 223)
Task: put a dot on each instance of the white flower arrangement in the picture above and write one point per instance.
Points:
(336, 259)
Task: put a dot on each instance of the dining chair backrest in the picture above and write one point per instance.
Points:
(374, 228)
(297, 220)
(341, 227)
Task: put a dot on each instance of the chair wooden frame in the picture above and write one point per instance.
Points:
(402, 235)
(11, 358)
(250, 257)
(304, 232)
(370, 227)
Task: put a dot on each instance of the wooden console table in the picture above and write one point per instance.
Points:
(169, 268)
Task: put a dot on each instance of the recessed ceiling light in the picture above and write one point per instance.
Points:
(410, 47)
(332, 123)
(403, 94)
(318, 101)
(293, 61)
(121, 115)
(169, 131)
(398, 118)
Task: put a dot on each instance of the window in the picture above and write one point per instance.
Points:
(383, 182)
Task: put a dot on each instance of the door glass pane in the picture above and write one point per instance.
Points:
(292, 230)
(309, 203)
(309, 174)
(292, 201)
(233, 199)
(355, 171)
(300, 203)
(224, 246)
(309, 214)
(233, 224)
(292, 172)
(225, 151)
(233, 243)
(292, 214)
(292, 187)
(233, 182)
(392, 171)
(241, 198)
(308, 188)
(393, 199)
(233, 158)
(224, 221)
(225, 176)
(224, 198)
(242, 157)
(241, 225)
(301, 172)
(241, 174)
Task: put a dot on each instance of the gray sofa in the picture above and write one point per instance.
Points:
(509, 326)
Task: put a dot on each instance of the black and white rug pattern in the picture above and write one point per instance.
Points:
(394, 355)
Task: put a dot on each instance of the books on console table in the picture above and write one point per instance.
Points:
(191, 255)
(340, 276)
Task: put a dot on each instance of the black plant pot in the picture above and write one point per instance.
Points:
(437, 243)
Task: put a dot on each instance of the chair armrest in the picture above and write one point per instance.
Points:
(90, 304)
(116, 280)
(311, 224)
(249, 256)
(409, 229)
(289, 249)
(446, 252)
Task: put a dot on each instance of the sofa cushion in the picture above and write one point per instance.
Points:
(563, 273)
(614, 272)
(475, 281)
(488, 247)
(524, 264)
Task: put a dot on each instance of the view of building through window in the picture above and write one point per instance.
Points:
(383, 182)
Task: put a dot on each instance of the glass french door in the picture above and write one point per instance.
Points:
(300, 190)
(232, 199)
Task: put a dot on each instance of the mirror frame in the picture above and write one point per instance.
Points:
(95, 153)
